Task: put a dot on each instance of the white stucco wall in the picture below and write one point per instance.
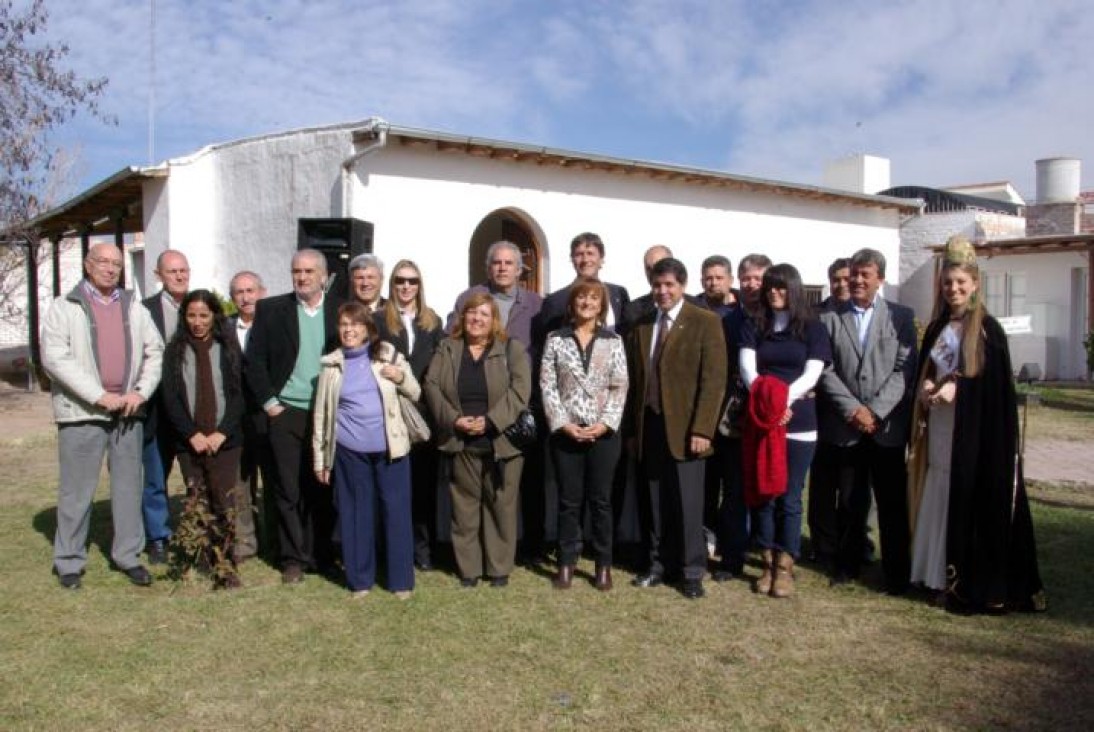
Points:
(426, 205)
(236, 207)
(1055, 307)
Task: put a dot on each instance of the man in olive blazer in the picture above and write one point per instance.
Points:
(864, 419)
(677, 382)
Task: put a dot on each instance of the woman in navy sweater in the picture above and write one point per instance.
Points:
(785, 341)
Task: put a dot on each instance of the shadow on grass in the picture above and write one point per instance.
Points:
(1033, 684)
(1065, 543)
(100, 531)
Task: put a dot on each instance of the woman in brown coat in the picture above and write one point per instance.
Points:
(477, 384)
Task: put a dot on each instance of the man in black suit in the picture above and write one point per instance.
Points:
(866, 417)
(173, 272)
(246, 289)
(290, 333)
(587, 257)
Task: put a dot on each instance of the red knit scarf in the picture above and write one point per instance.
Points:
(763, 442)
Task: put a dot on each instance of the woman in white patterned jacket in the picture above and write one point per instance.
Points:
(583, 379)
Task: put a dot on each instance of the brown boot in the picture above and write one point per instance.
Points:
(564, 578)
(783, 586)
(603, 580)
(763, 585)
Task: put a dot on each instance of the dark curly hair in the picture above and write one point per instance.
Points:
(176, 349)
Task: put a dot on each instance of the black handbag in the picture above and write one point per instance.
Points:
(523, 432)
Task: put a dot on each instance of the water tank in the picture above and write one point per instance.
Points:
(1058, 180)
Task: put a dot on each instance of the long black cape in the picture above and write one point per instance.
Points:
(991, 554)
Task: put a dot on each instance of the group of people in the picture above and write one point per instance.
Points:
(718, 405)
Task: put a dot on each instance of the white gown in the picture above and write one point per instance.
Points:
(929, 542)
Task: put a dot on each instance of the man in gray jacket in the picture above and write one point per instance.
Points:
(864, 418)
(103, 354)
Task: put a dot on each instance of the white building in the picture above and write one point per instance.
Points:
(1035, 261)
(441, 199)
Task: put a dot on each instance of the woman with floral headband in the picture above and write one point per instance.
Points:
(972, 532)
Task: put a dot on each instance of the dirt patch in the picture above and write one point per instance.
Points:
(24, 413)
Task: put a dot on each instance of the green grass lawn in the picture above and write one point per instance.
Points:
(179, 656)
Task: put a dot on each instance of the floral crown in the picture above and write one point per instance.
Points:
(959, 250)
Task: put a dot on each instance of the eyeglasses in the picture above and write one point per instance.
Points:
(407, 280)
(106, 263)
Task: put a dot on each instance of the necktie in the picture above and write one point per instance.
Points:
(653, 382)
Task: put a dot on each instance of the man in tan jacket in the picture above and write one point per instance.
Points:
(678, 371)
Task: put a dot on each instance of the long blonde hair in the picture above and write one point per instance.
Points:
(972, 321)
(424, 317)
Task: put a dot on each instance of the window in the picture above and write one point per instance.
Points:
(1016, 293)
(994, 291)
(1004, 293)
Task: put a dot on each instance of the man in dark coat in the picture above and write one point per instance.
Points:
(677, 378)
(173, 271)
(289, 335)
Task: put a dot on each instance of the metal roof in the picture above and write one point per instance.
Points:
(540, 155)
(112, 203)
(117, 201)
(1032, 245)
(940, 201)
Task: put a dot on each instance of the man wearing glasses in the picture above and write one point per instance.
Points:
(103, 354)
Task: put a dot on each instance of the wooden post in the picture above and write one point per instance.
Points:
(119, 241)
(55, 250)
(34, 339)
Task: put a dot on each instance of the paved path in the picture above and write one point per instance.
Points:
(1059, 461)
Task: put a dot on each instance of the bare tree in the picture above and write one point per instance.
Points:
(37, 95)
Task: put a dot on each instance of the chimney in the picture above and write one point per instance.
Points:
(858, 174)
(1058, 209)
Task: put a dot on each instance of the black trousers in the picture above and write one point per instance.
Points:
(584, 473)
(830, 470)
(423, 477)
(860, 467)
(259, 474)
(671, 507)
(305, 507)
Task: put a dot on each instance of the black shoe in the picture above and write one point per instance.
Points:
(499, 582)
(648, 580)
(292, 574)
(157, 552)
(726, 572)
(70, 581)
(469, 582)
(840, 578)
(139, 576)
(693, 589)
(424, 565)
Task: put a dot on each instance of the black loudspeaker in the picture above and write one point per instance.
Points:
(340, 240)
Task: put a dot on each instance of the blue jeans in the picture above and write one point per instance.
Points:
(778, 523)
(154, 506)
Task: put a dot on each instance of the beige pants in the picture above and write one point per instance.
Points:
(484, 514)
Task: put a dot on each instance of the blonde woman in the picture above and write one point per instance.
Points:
(973, 541)
(410, 325)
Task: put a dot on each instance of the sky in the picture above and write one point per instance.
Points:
(952, 92)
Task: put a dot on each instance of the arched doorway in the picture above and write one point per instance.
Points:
(518, 227)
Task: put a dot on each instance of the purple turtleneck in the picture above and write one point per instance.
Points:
(360, 407)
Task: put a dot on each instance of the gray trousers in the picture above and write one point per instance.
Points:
(81, 447)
